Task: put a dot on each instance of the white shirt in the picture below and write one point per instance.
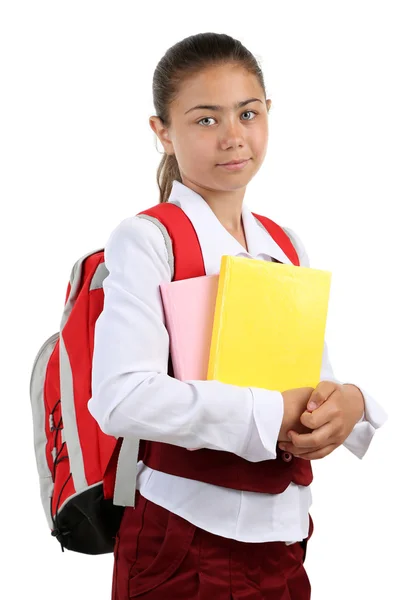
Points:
(132, 394)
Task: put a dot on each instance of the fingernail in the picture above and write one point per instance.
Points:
(311, 405)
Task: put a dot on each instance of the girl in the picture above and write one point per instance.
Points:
(208, 533)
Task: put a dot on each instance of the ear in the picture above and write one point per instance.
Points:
(268, 104)
(162, 133)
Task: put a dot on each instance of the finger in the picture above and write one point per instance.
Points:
(314, 420)
(315, 439)
(319, 453)
(322, 415)
(299, 451)
(316, 399)
(302, 452)
(293, 449)
(321, 393)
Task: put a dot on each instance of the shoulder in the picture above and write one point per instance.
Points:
(129, 227)
(135, 237)
(299, 246)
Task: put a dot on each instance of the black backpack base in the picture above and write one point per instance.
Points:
(88, 523)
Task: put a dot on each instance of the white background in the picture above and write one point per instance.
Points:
(78, 156)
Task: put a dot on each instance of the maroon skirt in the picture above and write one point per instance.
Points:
(158, 555)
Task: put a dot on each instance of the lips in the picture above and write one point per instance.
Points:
(235, 162)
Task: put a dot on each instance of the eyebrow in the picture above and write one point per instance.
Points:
(217, 107)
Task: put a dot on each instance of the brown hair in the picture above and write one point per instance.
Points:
(181, 61)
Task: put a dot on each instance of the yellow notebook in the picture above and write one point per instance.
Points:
(269, 324)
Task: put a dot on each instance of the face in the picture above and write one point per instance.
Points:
(202, 138)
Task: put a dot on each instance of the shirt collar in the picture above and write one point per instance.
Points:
(214, 238)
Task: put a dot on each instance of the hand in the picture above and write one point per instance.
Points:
(337, 409)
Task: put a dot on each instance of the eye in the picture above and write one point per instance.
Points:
(205, 119)
(248, 111)
(244, 113)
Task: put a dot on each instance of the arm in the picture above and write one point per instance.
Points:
(374, 415)
(132, 394)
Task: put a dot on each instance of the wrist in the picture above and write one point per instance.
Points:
(294, 405)
(355, 397)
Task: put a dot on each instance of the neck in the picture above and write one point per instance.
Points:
(226, 205)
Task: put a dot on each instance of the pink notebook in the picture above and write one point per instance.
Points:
(189, 307)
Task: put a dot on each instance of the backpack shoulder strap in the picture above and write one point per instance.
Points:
(178, 230)
(280, 237)
(185, 257)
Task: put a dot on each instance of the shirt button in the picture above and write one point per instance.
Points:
(287, 456)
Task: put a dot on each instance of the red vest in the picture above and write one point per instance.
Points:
(213, 466)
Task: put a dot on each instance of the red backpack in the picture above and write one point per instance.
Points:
(87, 477)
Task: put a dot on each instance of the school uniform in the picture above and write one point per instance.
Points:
(197, 539)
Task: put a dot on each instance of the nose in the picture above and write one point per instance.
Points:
(232, 135)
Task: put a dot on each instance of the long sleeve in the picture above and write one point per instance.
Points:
(132, 394)
(374, 415)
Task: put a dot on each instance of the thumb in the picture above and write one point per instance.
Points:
(316, 400)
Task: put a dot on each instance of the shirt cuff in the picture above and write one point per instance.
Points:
(374, 416)
(265, 425)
